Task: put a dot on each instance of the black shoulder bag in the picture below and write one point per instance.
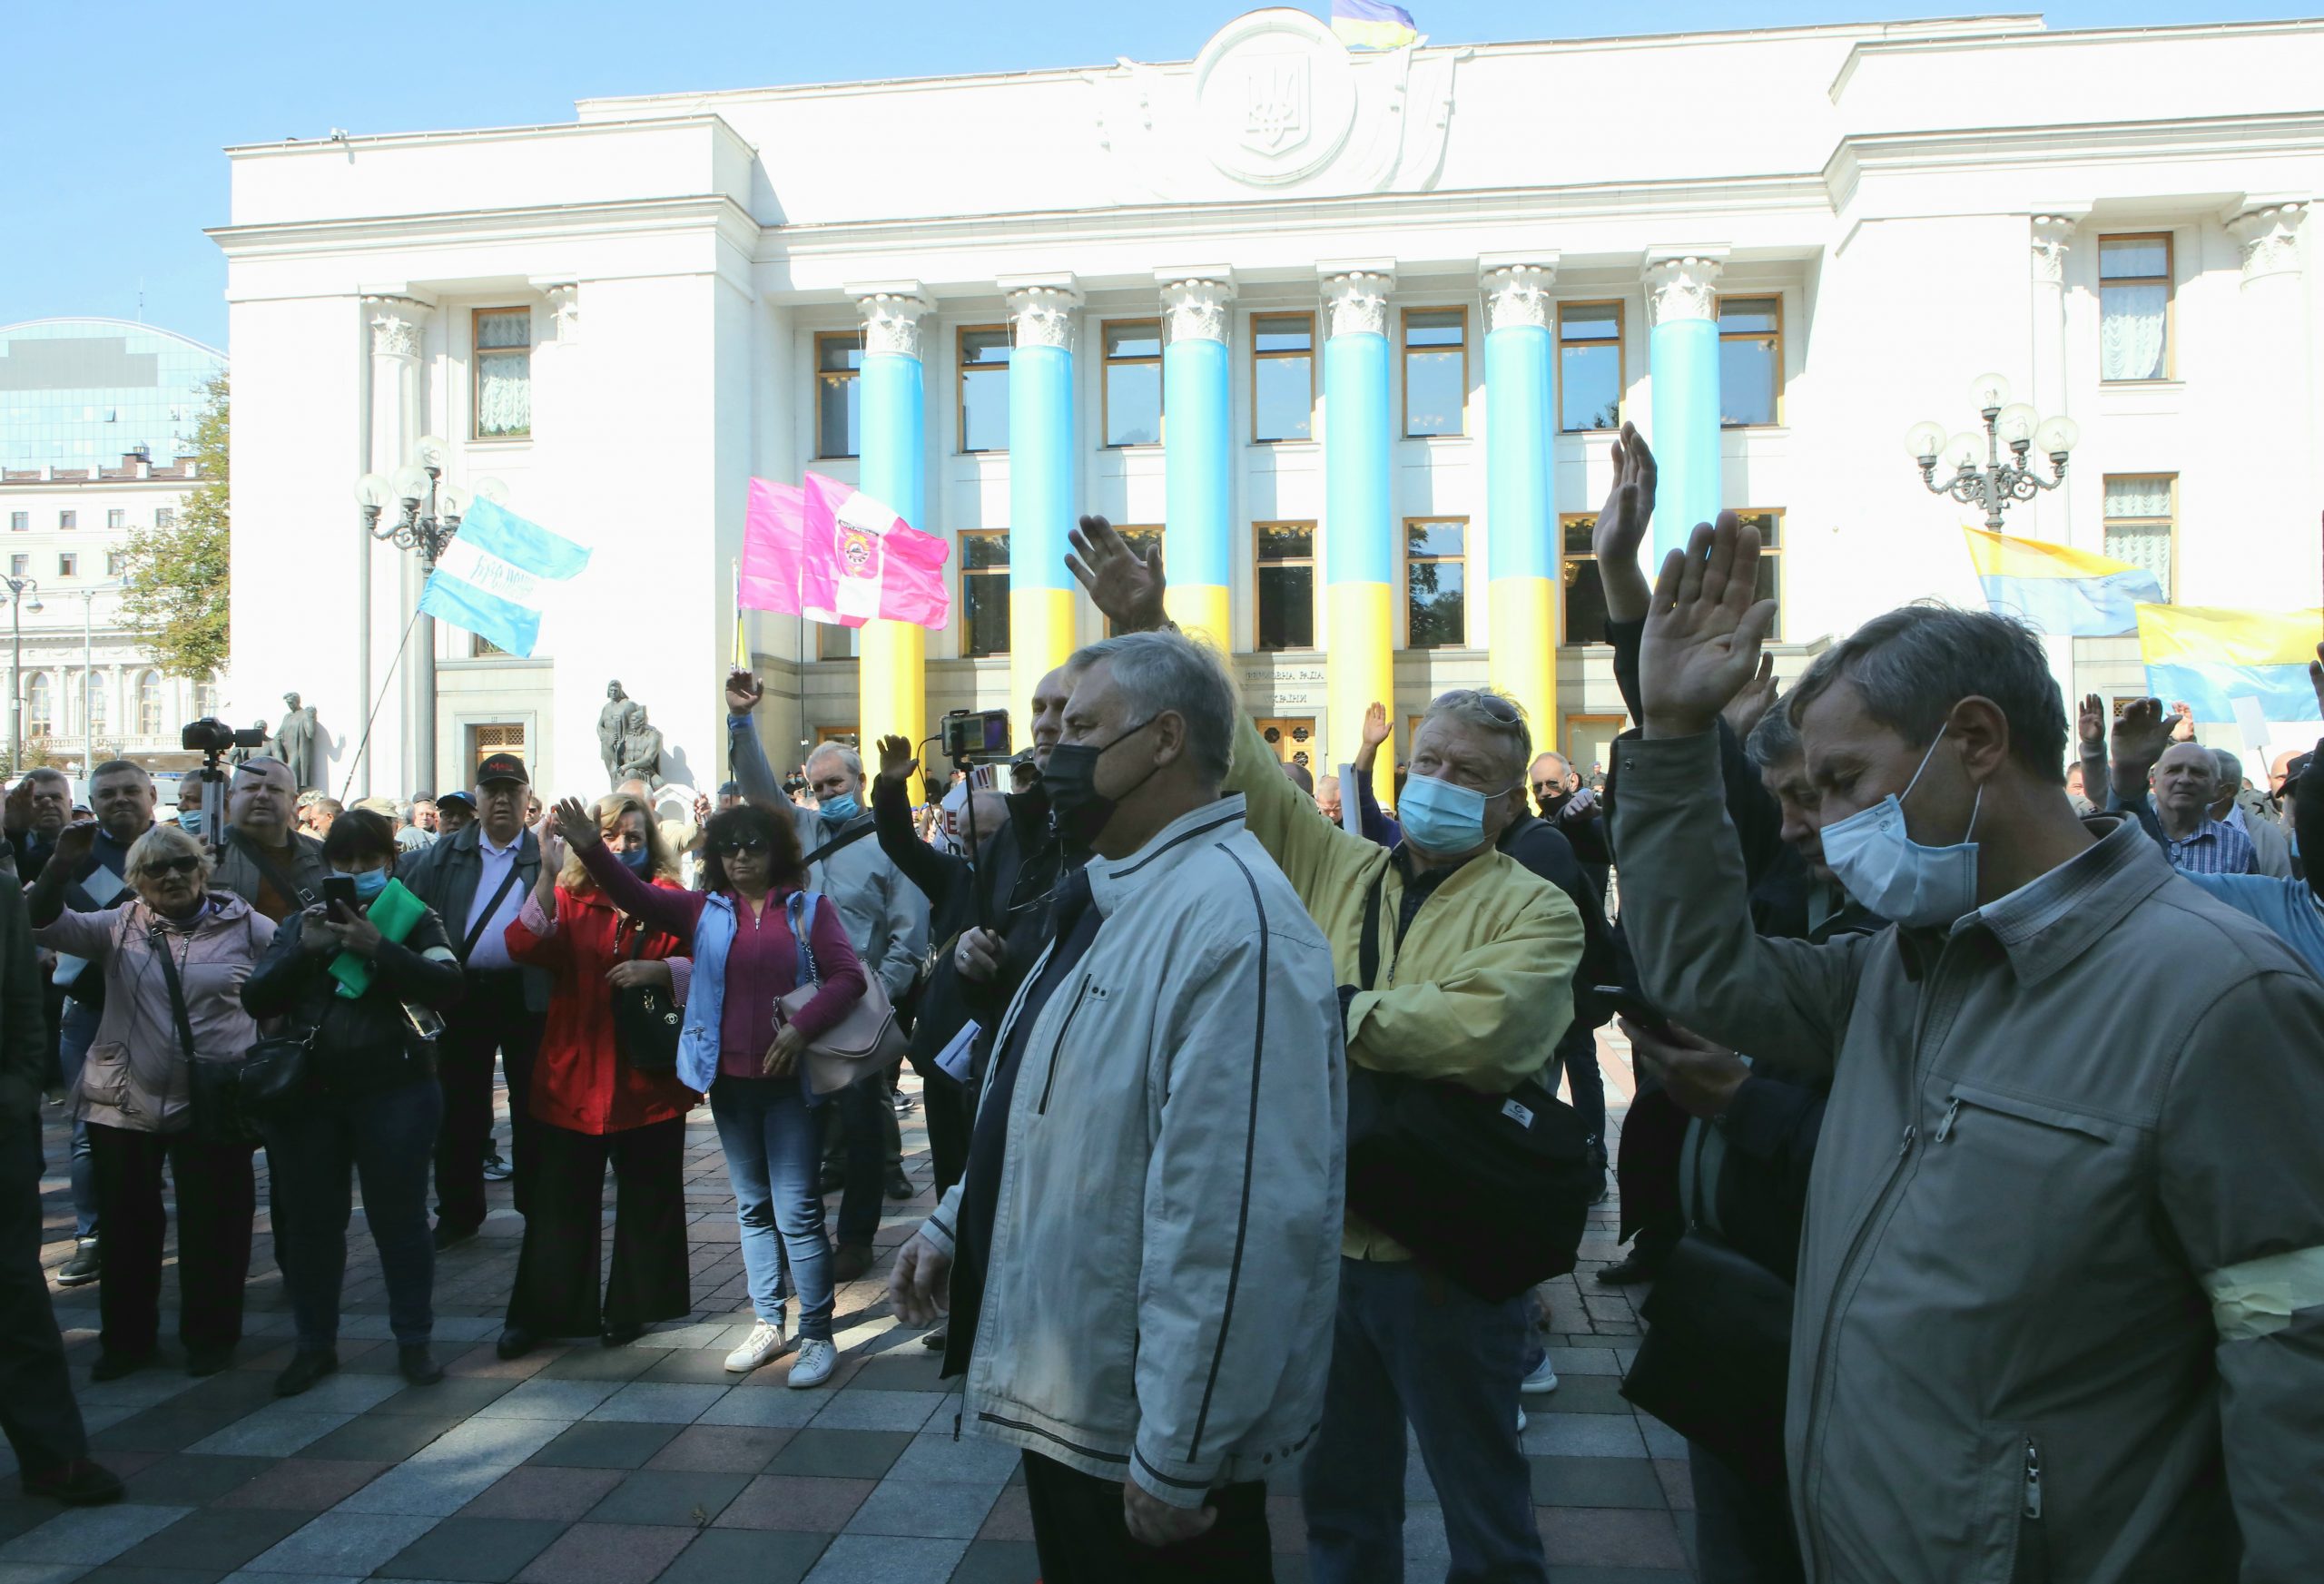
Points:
(213, 1088)
(647, 1021)
(1489, 1191)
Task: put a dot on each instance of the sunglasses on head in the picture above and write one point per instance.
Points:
(747, 844)
(161, 866)
(1493, 704)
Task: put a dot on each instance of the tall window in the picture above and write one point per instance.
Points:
(116, 518)
(2140, 513)
(20, 522)
(93, 703)
(1286, 584)
(68, 565)
(1590, 366)
(1750, 359)
(1437, 370)
(40, 706)
(1768, 520)
(205, 699)
(1435, 583)
(149, 704)
(1144, 540)
(1133, 382)
(19, 565)
(839, 397)
(166, 516)
(2134, 307)
(113, 560)
(984, 591)
(68, 521)
(984, 388)
(1283, 376)
(1585, 596)
(504, 373)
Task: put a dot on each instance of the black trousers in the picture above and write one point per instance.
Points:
(217, 1195)
(871, 1142)
(37, 1413)
(490, 1017)
(1743, 1532)
(557, 1273)
(944, 1105)
(1082, 1539)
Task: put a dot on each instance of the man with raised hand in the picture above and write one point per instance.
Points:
(2060, 1296)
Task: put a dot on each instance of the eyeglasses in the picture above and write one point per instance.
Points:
(1493, 704)
(162, 866)
(733, 849)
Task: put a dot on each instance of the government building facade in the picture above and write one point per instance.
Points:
(1347, 335)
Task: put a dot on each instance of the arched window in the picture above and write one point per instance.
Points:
(99, 693)
(205, 700)
(40, 706)
(149, 704)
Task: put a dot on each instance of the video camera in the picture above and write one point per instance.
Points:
(213, 737)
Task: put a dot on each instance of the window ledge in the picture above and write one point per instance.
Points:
(1291, 445)
(1434, 440)
(2142, 385)
(498, 442)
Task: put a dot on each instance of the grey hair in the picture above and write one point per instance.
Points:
(1466, 706)
(847, 756)
(2231, 770)
(1913, 665)
(1168, 672)
(159, 845)
(1775, 740)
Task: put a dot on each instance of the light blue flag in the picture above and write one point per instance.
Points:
(493, 578)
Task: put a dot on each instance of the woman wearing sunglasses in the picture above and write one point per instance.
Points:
(738, 1047)
(137, 1094)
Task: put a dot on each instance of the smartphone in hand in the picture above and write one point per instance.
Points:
(1628, 1003)
(339, 888)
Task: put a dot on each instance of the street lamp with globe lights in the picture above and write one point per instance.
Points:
(19, 590)
(427, 518)
(1999, 481)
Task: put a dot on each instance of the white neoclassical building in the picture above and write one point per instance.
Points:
(1347, 332)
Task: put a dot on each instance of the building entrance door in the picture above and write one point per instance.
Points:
(1589, 741)
(1293, 740)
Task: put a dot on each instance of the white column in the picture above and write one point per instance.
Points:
(2051, 516)
(2277, 402)
(389, 584)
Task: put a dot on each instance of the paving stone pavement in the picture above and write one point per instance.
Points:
(579, 1464)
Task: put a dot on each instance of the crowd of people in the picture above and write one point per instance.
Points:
(1937, 1293)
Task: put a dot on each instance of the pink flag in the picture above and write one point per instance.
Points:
(773, 529)
(861, 560)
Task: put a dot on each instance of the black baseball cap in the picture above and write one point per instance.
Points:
(460, 798)
(502, 767)
(2297, 768)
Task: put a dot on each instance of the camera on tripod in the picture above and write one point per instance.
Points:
(213, 737)
(980, 734)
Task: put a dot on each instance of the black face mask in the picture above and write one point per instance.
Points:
(1070, 781)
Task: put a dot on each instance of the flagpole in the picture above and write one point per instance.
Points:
(742, 645)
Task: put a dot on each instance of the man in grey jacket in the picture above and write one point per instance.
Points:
(1145, 1249)
(2061, 1298)
(887, 923)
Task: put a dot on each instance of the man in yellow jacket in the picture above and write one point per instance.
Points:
(1475, 985)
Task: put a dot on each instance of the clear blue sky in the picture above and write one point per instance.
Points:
(116, 114)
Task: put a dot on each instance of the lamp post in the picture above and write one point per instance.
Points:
(18, 587)
(428, 516)
(89, 676)
(1999, 482)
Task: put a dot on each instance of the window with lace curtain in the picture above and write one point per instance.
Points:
(504, 373)
(2134, 307)
(40, 706)
(149, 704)
(2142, 512)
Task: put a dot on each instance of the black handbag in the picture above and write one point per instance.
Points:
(646, 1021)
(277, 1077)
(1714, 1365)
(1491, 1191)
(213, 1088)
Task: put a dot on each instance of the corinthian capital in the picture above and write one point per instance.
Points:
(2270, 238)
(1195, 308)
(892, 312)
(565, 311)
(2053, 234)
(1682, 287)
(1357, 299)
(396, 323)
(1042, 310)
(1517, 294)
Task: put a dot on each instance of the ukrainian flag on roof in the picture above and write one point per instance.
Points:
(2057, 589)
(1367, 25)
(2211, 657)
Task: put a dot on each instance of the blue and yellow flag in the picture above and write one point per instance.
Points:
(2211, 657)
(1367, 25)
(2059, 590)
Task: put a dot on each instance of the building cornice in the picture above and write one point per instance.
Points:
(1984, 40)
(309, 147)
(485, 227)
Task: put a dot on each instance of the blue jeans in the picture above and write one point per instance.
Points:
(1409, 1345)
(77, 1030)
(388, 1138)
(775, 1160)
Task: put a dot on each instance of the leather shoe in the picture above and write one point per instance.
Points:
(516, 1341)
(446, 1236)
(900, 1187)
(113, 1366)
(621, 1335)
(208, 1360)
(934, 1341)
(1632, 1267)
(76, 1482)
(303, 1372)
(851, 1262)
(416, 1364)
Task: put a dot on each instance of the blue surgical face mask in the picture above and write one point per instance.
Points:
(368, 884)
(190, 821)
(1893, 875)
(1442, 818)
(842, 807)
(638, 862)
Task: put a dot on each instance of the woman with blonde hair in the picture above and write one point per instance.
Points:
(175, 960)
(602, 1094)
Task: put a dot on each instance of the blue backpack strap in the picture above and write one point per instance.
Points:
(802, 909)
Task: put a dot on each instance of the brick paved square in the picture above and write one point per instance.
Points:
(855, 1454)
(1000, 1561)
(721, 1556)
(721, 1449)
(658, 1402)
(89, 1535)
(605, 1446)
(1596, 1482)
(668, 1496)
(607, 1553)
(867, 1558)
(537, 1491)
(926, 1509)
(473, 1550)
(191, 1479)
(795, 1502)
(222, 1538)
(304, 1484)
(341, 1545)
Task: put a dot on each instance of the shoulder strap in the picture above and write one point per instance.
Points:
(1368, 951)
(801, 906)
(266, 866)
(847, 837)
(476, 932)
(159, 939)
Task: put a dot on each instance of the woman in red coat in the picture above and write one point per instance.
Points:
(592, 1105)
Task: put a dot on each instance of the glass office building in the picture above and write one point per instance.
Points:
(86, 392)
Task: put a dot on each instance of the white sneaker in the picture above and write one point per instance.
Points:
(816, 1360)
(764, 1342)
(1542, 1378)
(1521, 1421)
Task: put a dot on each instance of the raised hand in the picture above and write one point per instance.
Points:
(2140, 738)
(578, 825)
(16, 814)
(2183, 722)
(2316, 678)
(2089, 726)
(1621, 528)
(72, 845)
(1743, 712)
(1124, 585)
(897, 761)
(742, 691)
(1704, 629)
(1375, 724)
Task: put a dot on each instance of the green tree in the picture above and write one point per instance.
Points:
(174, 578)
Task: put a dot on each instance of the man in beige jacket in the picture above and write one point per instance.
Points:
(2061, 1294)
